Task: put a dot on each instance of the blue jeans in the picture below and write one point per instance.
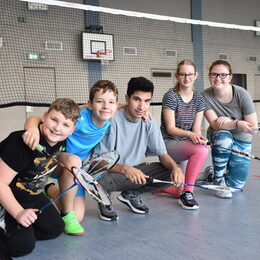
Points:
(231, 166)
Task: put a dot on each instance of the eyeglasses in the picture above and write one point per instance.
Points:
(184, 75)
(221, 75)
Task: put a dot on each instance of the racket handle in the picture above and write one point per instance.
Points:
(205, 142)
(39, 148)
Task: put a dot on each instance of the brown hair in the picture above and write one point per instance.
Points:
(67, 107)
(183, 62)
(221, 62)
(104, 85)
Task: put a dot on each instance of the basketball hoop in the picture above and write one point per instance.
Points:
(100, 53)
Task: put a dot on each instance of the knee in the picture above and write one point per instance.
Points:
(21, 249)
(203, 151)
(53, 232)
(223, 138)
(72, 160)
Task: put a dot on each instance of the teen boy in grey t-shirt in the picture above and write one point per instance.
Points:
(134, 139)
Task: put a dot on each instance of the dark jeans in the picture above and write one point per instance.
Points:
(118, 182)
(20, 241)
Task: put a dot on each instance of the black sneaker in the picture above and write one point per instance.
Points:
(133, 201)
(187, 201)
(107, 212)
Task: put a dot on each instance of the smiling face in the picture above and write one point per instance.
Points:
(186, 76)
(103, 106)
(56, 127)
(137, 104)
(220, 76)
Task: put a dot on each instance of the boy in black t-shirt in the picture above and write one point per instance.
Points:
(22, 177)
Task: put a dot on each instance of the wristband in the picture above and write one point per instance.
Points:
(237, 123)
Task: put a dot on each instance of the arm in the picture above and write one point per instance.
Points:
(169, 163)
(131, 173)
(32, 136)
(246, 125)
(23, 216)
(196, 128)
(194, 135)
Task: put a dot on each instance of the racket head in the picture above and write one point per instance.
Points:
(92, 187)
(218, 188)
(98, 164)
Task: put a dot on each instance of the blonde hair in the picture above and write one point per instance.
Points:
(67, 107)
(183, 62)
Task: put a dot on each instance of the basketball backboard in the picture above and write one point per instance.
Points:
(97, 46)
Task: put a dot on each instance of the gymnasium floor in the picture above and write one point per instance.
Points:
(220, 229)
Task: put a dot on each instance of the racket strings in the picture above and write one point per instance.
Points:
(100, 164)
(92, 187)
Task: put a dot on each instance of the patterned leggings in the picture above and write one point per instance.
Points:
(186, 150)
(231, 166)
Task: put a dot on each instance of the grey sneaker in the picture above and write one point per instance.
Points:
(107, 212)
(133, 201)
(206, 176)
(223, 194)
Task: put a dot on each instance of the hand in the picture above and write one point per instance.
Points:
(147, 115)
(26, 217)
(204, 140)
(177, 176)
(135, 175)
(31, 137)
(246, 127)
(196, 138)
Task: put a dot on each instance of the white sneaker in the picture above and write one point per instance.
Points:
(223, 194)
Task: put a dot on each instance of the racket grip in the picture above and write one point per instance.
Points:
(39, 148)
(205, 142)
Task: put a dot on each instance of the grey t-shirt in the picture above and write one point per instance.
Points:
(240, 106)
(133, 140)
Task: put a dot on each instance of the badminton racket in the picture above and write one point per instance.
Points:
(202, 186)
(234, 151)
(94, 169)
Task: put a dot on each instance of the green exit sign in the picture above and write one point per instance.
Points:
(33, 56)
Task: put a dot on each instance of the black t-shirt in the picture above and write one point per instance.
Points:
(32, 167)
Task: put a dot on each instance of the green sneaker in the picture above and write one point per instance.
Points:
(72, 226)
